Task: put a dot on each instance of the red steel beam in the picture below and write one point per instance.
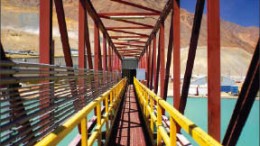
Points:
(104, 53)
(245, 100)
(157, 68)
(176, 53)
(137, 6)
(63, 32)
(128, 21)
(128, 14)
(97, 51)
(117, 37)
(129, 32)
(128, 27)
(162, 59)
(153, 63)
(213, 24)
(45, 31)
(46, 52)
(148, 65)
(89, 54)
(192, 53)
(82, 35)
(128, 44)
(168, 63)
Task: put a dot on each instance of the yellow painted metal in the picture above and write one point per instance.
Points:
(201, 137)
(83, 127)
(80, 118)
(173, 131)
(159, 124)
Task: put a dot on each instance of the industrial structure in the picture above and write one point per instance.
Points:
(41, 103)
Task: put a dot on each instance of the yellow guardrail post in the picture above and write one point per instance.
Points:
(84, 132)
(107, 114)
(99, 123)
(159, 123)
(151, 120)
(173, 131)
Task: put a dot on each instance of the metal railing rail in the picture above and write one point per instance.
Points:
(149, 100)
(37, 98)
(110, 101)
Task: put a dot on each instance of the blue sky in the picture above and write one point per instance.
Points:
(242, 12)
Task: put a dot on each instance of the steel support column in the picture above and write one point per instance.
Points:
(63, 32)
(176, 53)
(109, 58)
(213, 21)
(148, 65)
(168, 63)
(46, 53)
(104, 53)
(89, 54)
(157, 68)
(192, 53)
(153, 64)
(97, 54)
(82, 35)
(162, 59)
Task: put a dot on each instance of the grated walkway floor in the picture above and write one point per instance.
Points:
(128, 129)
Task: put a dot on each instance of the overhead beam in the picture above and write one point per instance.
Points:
(128, 21)
(92, 12)
(117, 37)
(128, 27)
(137, 6)
(129, 32)
(128, 14)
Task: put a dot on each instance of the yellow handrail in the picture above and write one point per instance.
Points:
(147, 100)
(113, 95)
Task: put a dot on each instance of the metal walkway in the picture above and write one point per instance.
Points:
(129, 127)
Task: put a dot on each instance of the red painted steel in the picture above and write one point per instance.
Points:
(127, 44)
(153, 63)
(213, 68)
(192, 52)
(89, 54)
(128, 14)
(46, 53)
(137, 6)
(176, 53)
(63, 32)
(109, 58)
(157, 68)
(82, 62)
(245, 100)
(45, 31)
(148, 64)
(117, 37)
(129, 22)
(97, 51)
(162, 59)
(129, 32)
(104, 53)
(127, 27)
(168, 62)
